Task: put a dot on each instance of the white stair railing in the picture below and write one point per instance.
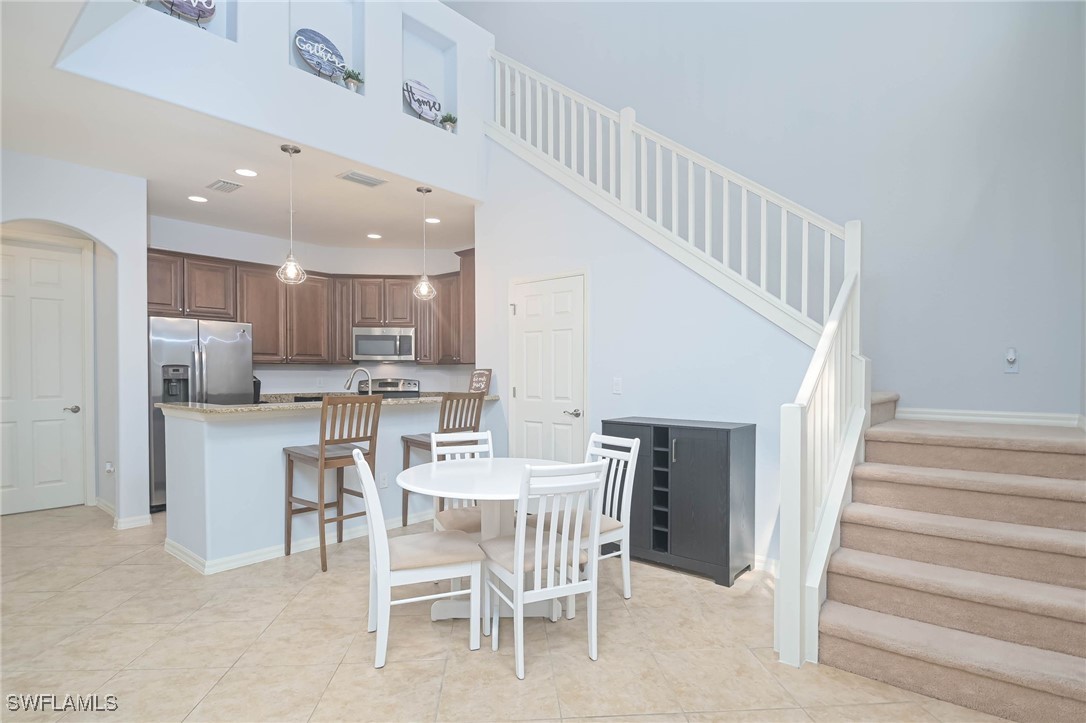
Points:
(769, 248)
(821, 441)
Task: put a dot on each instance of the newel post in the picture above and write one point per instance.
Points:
(627, 189)
(788, 601)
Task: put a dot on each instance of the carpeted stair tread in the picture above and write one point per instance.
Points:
(1014, 437)
(1006, 592)
(1006, 534)
(884, 397)
(1056, 673)
(990, 482)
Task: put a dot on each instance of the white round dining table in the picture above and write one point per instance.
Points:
(494, 483)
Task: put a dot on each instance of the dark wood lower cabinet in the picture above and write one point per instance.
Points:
(309, 321)
(262, 302)
(693, 495)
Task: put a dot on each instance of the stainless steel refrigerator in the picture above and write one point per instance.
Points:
(194, 360)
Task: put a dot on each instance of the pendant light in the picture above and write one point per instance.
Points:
(291, 272)
(424, 290)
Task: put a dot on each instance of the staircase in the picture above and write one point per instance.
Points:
(962, 567)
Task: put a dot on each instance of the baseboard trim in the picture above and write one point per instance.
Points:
(1042, 419)
(222, 564)
(773, 567)
(127, 523)
(106, 506)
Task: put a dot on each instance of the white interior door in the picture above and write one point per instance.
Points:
(41, 377)
(548, 369)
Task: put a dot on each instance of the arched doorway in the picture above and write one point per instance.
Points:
(48, 410)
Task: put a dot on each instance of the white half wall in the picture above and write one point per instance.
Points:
(954, 131)
(112, 209)
(682, 347)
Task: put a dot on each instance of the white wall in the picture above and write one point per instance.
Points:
(112, 209)
(724, 362)
(953, 131)
(106, 345)
(174, 235)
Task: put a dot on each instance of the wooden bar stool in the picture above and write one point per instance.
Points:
(347, 423)
(460, 412)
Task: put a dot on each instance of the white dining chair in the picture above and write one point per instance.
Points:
(620, 454)
(410, 559)
(452, 514)
(544, 562)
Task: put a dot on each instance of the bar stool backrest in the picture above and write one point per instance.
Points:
(350, 420)
(460, 412)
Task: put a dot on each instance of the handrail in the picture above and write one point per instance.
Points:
(821, 355)
(679, 194)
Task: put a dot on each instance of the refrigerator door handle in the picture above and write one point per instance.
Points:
(195, 393)
(203, 375)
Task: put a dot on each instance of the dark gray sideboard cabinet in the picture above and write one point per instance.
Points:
(693, 495)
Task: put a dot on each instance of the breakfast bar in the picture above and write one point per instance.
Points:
(225, 471)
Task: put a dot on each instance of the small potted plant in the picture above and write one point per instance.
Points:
(448, 122)
(352, 79)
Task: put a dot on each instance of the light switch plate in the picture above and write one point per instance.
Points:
(383, 481)
(616, 385)
(1010, 361)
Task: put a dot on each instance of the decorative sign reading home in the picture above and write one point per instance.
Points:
(421, 100)
(320, 54)
(192, 9)
(480, 381)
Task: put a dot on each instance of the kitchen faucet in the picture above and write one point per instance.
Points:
(354, 373)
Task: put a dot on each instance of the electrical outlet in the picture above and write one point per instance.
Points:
(383, 481)
(1010, 361)
(616, 385)
(110, 469)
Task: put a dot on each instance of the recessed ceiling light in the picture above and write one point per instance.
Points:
(373, 235)
(433, 220)
(245, 172)
(197, 199)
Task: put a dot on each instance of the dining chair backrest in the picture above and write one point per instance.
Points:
(568, 493)
(620, 454)
(350, 419)
(460, 412)
(460, 445)
(378, 535)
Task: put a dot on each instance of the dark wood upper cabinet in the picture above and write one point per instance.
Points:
(210, 289)
(342, 322)
(262, 302)
(369, 302)
(447, 318)
(399, 302)
(425, 340)
(309, 321)
(467, 306)
(165, 284)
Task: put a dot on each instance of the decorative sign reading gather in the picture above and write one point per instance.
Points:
(319, 53)
(193, 9)
(421, 100)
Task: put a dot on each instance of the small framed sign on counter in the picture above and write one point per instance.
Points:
(480, 381)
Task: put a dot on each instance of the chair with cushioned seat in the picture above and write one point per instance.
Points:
(410, 559)
(452, 514)
(348, 423)
(541, 562)
(460, 412)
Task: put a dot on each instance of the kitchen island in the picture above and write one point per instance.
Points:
(225, 475)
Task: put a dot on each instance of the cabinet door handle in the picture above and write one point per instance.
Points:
(674, 452)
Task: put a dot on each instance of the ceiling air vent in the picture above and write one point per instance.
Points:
(361, 178)
(224, 186)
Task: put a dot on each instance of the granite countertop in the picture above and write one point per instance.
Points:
(285, 403)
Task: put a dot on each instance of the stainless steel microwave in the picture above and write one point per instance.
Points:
(383, 343)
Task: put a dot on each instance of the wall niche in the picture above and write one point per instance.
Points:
(429, 72)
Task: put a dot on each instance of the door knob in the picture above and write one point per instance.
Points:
(574, 413)
(74, 409)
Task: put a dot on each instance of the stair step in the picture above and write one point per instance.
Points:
(1022, 499)
(883, 406)
(1018, 611)
(1028, 552)
(1007, 448)
(995, 676)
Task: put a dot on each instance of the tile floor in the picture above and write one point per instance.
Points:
(87, 609)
